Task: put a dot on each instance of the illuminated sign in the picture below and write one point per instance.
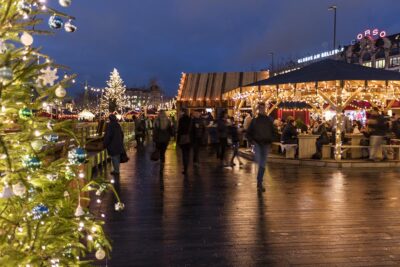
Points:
(320, 55)
(373, 33)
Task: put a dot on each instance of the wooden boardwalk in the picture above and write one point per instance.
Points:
(309, 216)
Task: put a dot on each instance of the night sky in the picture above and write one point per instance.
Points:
(162, 38)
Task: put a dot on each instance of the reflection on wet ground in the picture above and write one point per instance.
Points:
(214, 217)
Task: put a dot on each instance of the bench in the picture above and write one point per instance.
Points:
(289, 148)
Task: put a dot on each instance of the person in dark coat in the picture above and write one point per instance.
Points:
(222, 129)
(114, 142)
(261, 133)
(162, 131)
(289, 134)
(184, 139)
(234, 134)
(198, 131)
(140, 130)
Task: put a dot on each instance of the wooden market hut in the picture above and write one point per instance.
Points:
(206, 90)
(329, 84)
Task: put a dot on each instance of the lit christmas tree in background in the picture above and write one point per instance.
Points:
(114, 95)
(44, 220)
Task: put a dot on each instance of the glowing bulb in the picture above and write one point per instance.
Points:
(90, 238)
(81, 175)
(81, 224)
(37, 133)
(99, 200)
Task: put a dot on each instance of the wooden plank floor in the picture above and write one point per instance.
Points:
(309, 216)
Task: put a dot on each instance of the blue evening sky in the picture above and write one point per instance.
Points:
(162, 38)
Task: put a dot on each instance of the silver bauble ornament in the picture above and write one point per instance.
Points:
(26, 39)
(24, 8)
(79, 211)
(19, 189)
(69, 27)
(7, 192)
(119, 206)
(6, 74)
(100, 254)
(60, 92)
(37, 145)
(65, 3)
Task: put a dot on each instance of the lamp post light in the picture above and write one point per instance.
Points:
(272, 61)
(334, 9)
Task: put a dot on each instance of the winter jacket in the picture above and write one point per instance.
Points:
(222, 129)
(289, 134)
(114, 139)
(379, 126)
(261, 130)
(161, 135)
(184, 127)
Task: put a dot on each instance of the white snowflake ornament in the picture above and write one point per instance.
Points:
(48, 77)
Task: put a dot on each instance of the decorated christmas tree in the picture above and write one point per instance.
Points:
(44, 219)
(114, 95)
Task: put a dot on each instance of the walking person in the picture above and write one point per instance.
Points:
(183, 139)
(140, 129)
(222, 130)
(261, 134)
(234, 134)
(213, 136)
(379, 128)
(114, 142)
(162, 131)
(198, 132)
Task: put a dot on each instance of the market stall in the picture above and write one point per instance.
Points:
(325, 85)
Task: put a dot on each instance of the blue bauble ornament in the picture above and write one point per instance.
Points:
(77, 156)
(51, 138)
(39, 211)
(55, 22)
(32, 162)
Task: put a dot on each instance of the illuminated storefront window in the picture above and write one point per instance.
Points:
(367, 64)
(380, 63)
(394, 62)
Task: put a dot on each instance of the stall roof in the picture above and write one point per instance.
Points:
(330, 70)
(211, 86)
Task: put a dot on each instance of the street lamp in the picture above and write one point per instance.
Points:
(272, 57)
(334, 8)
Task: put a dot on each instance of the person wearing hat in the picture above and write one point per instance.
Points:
(289, 134)
(114, 142)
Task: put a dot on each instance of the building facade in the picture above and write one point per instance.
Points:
(371, 48)
(150, 97)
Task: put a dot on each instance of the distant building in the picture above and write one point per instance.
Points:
(139, 97)
(372, 48)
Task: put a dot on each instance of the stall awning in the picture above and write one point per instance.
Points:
(210, 87)
(330, 70)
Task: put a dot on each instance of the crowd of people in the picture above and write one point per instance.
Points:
(199, 129)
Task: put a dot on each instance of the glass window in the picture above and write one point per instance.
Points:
(380, 63)
(394, 62)
(367, 64)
